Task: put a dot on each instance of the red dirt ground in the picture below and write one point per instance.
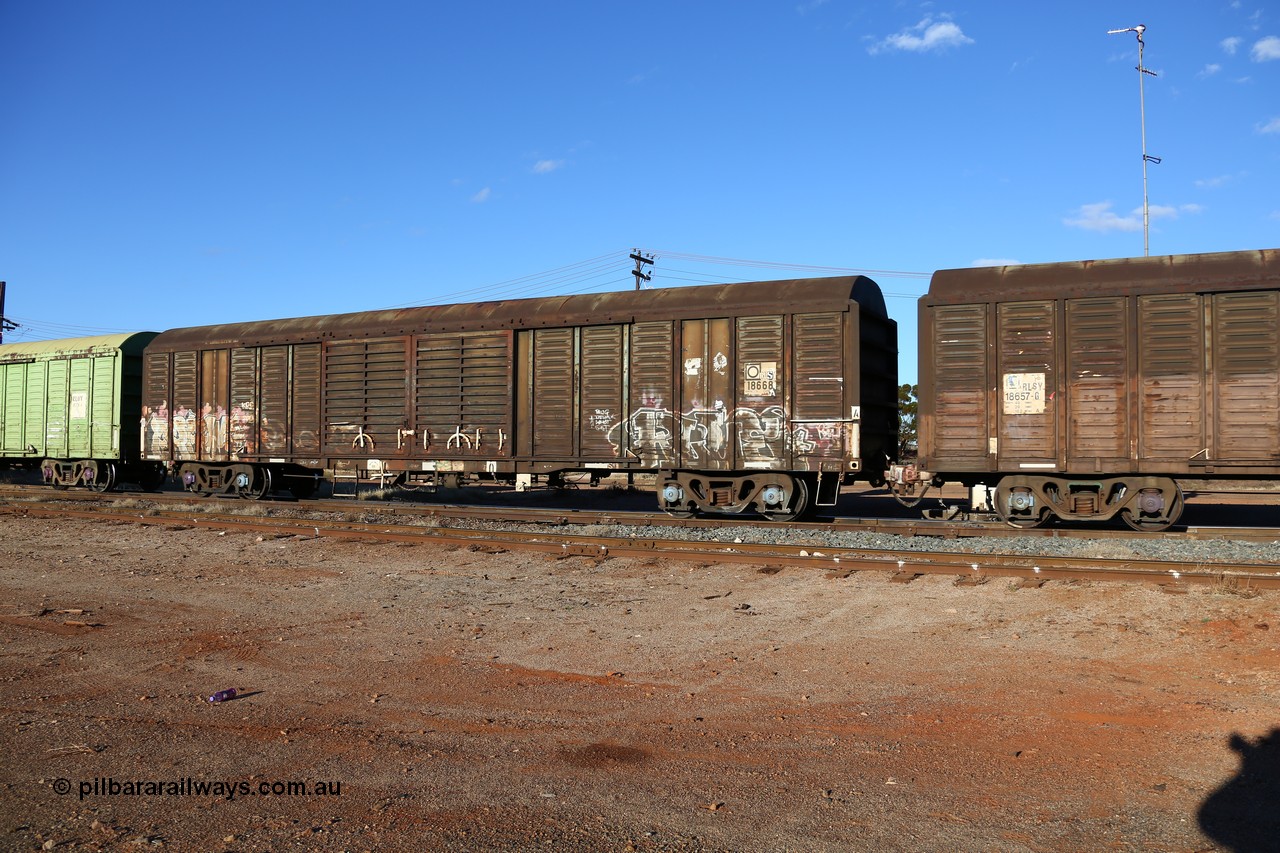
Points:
(462, 700)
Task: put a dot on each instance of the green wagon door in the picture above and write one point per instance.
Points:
(13, 383)
(91, 406)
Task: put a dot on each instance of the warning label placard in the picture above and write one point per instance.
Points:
(1024, 393)
(760, 379)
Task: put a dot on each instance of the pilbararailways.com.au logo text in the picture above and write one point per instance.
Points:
(109, 786)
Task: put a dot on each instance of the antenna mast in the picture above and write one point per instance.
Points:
(1142, 114)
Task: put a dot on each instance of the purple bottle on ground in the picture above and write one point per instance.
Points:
(223, 695)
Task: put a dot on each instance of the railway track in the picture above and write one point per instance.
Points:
(430, 526)
(563, 516)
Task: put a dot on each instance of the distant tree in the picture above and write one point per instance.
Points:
(907, 435)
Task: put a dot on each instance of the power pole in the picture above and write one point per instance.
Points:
(636, 255)
(5, 325)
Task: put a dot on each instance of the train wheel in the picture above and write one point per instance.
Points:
(1017, 507)
(791, 506)
(1151, 513)
(257, 485)
(104, 476)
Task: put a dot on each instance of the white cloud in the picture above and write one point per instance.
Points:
(1215, 182)
(995, 262)
(1266, 49)
(928, 35)
(1272, 126)
(543, 167)
(1100, 217)
(1230, 45)
(482, 196)
(809, 6)
(1169, 211)
(1210, 69)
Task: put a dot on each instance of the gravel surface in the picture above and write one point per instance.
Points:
(467, 700)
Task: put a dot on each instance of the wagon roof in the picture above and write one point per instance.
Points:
(721, 300)
(1251, 270)
(131, 343)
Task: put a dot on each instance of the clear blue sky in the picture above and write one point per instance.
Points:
(174, 163)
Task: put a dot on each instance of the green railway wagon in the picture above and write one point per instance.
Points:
(73, 409)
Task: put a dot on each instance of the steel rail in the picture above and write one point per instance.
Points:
(905, 565)
(560, 516)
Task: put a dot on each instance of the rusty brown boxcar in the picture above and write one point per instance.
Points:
(1088, 390)
(758, 396)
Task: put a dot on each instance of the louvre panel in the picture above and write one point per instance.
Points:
(650, 431)
(155, 398)
(1098, 378)
(817, 392)
(959, 423)
(244, 401)
(364, 395)
(1028, 421)
(1171, 365)
(760, 360)
(185, 404)
(553, 362)
(463, 386)
(1246, 327)
(304, 413)
(602, 389)
(272, 415)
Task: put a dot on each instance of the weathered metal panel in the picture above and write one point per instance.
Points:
(34, 408)
(57, 398)
(1098, 369)
(1171, 377)
(104, 407)
(186, 404)
(819, 343)
(958, 429)
(271, 416)
(1028, 375)
(603, 389)
(156, 420)
(304, 407)
(11, 375)
(592, 309)
(651, 431)
(817, 369)
(1131, 277)
(365, 397)
(1246, 364)
(215, 393)
(462, 401)
(70, 397)
(553, 366)
(706, 395)
(761, 424)
(242, 419)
